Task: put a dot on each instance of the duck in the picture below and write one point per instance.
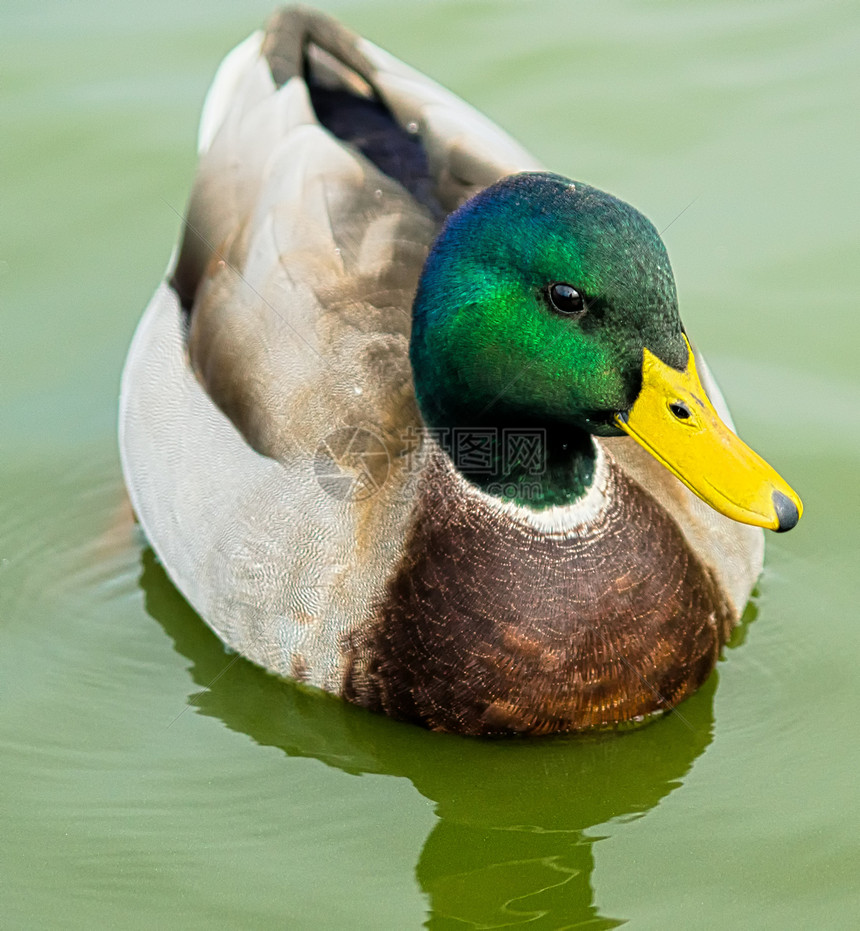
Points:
(415, 421)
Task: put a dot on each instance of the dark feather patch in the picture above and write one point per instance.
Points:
(369, 126)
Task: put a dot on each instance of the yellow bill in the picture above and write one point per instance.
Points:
(674, 420)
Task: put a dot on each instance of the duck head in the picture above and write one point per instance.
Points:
(546, 302)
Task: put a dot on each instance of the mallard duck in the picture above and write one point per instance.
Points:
(415, 421)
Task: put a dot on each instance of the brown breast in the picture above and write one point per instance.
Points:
(492, 627)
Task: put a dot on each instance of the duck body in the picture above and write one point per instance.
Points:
(278, 455)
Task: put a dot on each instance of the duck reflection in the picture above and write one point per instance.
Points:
(518, 819)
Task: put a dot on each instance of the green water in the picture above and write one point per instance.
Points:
(149, 779)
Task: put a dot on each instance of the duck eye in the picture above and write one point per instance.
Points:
(566, 299)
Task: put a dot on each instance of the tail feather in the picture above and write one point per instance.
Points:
(294, 30)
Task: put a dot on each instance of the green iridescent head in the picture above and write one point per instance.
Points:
(535, 305)
(548, 304)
